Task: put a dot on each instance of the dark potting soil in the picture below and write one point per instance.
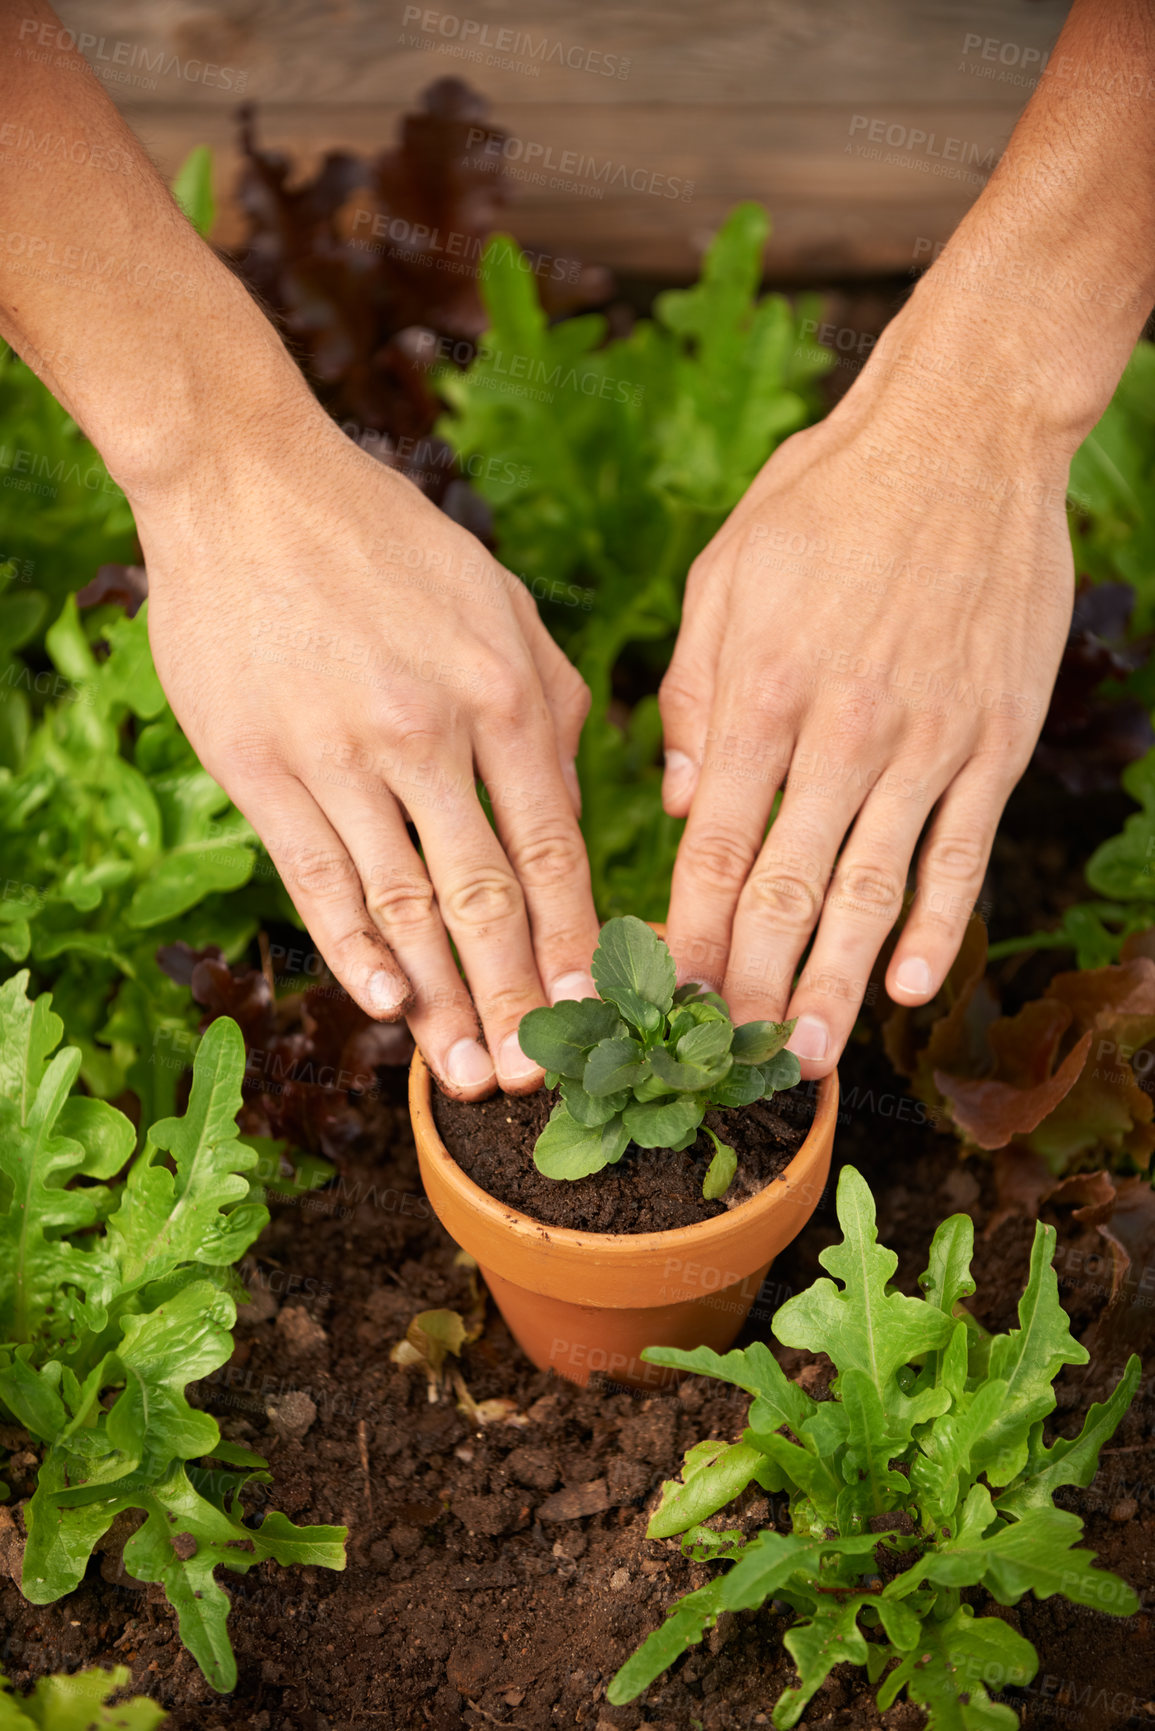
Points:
(500, 1576)
(648, 1190)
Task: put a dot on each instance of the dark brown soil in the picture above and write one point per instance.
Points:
(478, 1593)
(648, 1190)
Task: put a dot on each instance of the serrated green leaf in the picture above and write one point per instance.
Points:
(684, 1627)
(78, 1701)
(830, 1637)
(614, 1065)
(1070, 1461)
(560, 1038)
(631, 963)
(947, 1670)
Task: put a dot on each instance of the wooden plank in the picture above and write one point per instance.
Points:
(761, 52)
(835, 210)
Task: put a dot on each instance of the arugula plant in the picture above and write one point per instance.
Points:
(643, 1061)
(634, 451)
(115, 1294)
(932, 1447)
(114, 841)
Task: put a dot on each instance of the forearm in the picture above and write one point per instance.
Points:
(1038, 298)
(97, 261)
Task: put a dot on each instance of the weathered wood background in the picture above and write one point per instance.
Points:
(769, 99)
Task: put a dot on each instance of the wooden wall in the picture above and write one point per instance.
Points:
(770, 99)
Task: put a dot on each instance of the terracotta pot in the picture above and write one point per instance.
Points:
(580, 1302)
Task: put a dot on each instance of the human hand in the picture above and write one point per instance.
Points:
(878, 625)
(343, 658)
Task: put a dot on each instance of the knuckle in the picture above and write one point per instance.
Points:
(785, 900)
(485, 897)
(321, 874)
(402, 899)
(716, 857)
(870, 889)
(678, 697)
(958, 859)
(855, 720)
(253, 756)
(549, 858)
(771, 698)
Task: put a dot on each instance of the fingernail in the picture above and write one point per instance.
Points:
(387, 993)
(809, 1039)
(512, 1062)
(913, 976)
(679, 770)
(468, 1063)
(577, 985)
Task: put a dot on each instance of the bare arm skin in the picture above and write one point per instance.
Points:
(339, 653)
(879, 623)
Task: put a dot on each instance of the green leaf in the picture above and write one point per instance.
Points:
(713, 1474)
(757, 1042)
(947, 1670)
(705, 1044)
(587, 1109)
(663, 1123)
(778, 1401)
(688, 1078)
(720, 1172)
(632, 963)
(866, 1326)
(193, 189)
(567, 1149)
(779, 1073)
(741, 1086)
(168, 1217)
(1027, 1360)
(614, 1065)
(830, 1637)
(559, 1038)
(1070, 1461)
(684, 1627)
(184, 878)
(77, 1701)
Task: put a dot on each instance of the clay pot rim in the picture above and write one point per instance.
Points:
(626, 1246)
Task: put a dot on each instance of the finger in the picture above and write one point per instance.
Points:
(860, 907)
(481, 903)
(401, 902)
(952, 864)
(830, 777)
(542, 841)
(687, 695)
(326, 891)
(566, 692)
(750, 747)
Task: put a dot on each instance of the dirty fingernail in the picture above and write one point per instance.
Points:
(468, 1063)
(576, 985)
(913, 976)
(809, 1039)
(512, 1061)
(387, 993)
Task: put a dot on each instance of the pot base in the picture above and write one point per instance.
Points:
(578, 1341)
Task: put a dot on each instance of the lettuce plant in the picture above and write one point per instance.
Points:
(114, 841)
(643, 1061)
(78, 1701)
(114, 1296)
(925, 1474)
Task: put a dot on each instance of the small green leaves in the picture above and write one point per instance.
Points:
(644, 1062)
(632, 966)
(894, 1459)
(560, 1039)
(721, 1170)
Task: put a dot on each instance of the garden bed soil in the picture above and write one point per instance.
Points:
(500, 1576)
(648, 1190)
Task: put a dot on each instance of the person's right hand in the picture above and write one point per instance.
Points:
(344, 657)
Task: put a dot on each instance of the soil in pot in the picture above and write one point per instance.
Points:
(649, 1190)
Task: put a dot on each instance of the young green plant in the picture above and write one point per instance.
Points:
(116, 1292)
(645, 1060)
(930, 1449)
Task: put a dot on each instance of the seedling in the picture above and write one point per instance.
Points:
(932, 1447)
(643, 1061)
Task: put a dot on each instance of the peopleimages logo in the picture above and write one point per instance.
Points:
(474, 34)
(572, 167)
